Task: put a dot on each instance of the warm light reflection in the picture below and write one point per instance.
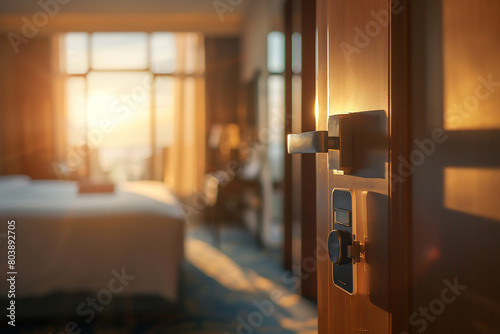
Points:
(465, 189)
(316, 109)
(230, 275)
(299, 326)
(217, 265)
(470, 69)
(289, 301)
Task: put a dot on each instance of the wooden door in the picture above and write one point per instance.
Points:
(354, 69)
(431, 227)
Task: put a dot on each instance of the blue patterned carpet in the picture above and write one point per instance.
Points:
(236, 288)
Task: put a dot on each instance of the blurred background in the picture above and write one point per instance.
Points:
(189, 94)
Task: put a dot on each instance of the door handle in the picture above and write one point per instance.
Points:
(337, 142)
(312, 142)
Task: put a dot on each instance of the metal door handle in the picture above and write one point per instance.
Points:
(337, 142)
(312, 142)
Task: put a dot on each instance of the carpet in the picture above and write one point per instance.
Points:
(234, 288)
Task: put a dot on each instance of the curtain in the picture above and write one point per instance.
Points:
(27, 119)
(185, 160)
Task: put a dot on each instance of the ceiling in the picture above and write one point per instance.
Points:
(123, 6)
(126, 15)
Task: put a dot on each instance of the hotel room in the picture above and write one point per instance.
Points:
(142, 152)
(153, 175)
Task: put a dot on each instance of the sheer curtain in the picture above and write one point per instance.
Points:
(185, 159)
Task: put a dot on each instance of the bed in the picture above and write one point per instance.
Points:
(69, 242)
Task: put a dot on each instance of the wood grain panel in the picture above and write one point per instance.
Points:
(454, 43)
(358, 81)
(26, 109)
(470, 47)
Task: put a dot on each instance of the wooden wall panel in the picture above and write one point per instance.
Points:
(455, 51)
(27, 128)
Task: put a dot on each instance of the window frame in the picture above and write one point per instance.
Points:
(153, 172)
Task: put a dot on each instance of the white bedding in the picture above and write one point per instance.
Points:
(72, 242)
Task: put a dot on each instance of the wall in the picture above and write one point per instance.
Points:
(27, 127)
(455, 166)
(261, 17)
(222, 66)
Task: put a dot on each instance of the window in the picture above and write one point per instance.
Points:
(276, 102)
(276, 125)
(123, 93)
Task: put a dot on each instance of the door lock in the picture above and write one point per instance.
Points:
(340, 251)
(343, 249)
(338, 247)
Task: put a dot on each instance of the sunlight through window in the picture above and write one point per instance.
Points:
(121, 99)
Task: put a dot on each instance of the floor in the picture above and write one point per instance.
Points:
(248, 292)
(233, 288)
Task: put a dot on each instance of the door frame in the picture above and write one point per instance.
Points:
(399, 193)
(300, 16)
